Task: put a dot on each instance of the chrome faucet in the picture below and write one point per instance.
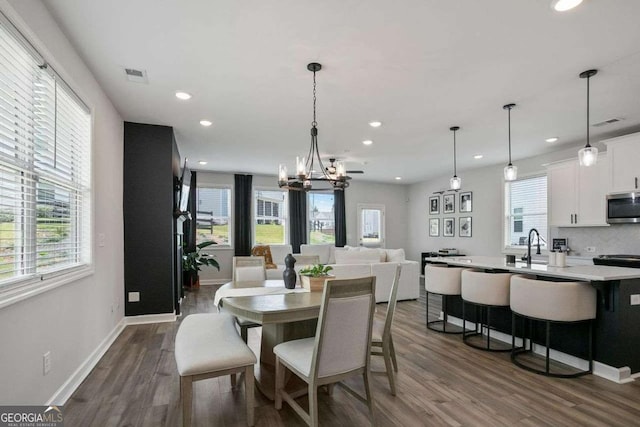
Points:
(528, 259)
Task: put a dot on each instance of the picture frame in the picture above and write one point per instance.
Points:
(465, 226)
(449, 203)
(448, 227)
(466, 202)
(434, 227)
(434, 205)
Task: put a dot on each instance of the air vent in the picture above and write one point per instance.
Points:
(607, 122)
(137, 76)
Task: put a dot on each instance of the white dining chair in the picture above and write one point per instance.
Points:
(340, 348)
(247, 269)
(381, 338)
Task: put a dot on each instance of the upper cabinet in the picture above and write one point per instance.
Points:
(624, 168)
(577, 195)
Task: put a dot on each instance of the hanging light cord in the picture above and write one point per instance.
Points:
(314, 123)
(509, 136)
(454, 153)
(588, 97)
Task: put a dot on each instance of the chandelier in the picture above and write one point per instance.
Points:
(310, 170)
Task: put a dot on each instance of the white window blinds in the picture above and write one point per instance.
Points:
(526, 208)
(45, 166)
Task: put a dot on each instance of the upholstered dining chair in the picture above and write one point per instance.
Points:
(340, 348)
(247, 269)
(381, 334)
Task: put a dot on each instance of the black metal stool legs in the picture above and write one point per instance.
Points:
(478, 331)
(443, 322)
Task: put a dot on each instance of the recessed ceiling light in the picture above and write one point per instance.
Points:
(478, 156)
(183, 95)
(375, 124)
(398, 178)
(552, 139)
(205, 123)
(564, 5)
(367, 142)
(202, 162)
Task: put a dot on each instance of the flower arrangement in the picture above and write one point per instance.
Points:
(317, 270)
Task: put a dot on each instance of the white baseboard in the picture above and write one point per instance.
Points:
(150, 318)
(61, 396)
(617, 375)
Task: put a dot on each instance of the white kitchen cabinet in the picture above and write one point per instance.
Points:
(624, 167)
(577, 195)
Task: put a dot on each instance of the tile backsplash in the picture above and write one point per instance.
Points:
(615, 239)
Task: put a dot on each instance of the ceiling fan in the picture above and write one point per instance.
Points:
(331, 169)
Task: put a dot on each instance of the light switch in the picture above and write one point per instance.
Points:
(101, 239)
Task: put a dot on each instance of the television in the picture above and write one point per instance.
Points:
(185, 185)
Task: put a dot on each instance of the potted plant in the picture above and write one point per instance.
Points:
(314, 276)
(192, 261)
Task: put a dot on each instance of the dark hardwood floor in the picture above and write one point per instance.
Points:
(441, 382)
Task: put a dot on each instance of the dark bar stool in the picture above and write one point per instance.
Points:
(551, 302)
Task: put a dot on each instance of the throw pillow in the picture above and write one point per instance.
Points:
(395, 255)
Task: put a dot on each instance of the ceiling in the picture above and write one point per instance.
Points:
(419, 66)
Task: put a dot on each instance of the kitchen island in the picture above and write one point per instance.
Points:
(617, 323)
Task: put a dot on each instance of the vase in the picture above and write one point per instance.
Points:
(289, 274)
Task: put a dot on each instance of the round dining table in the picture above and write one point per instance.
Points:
(284, 314)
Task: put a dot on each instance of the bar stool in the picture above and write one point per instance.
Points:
(444, 281)
(551, 302)
(484, 291)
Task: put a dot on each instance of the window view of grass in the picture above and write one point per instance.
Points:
(269, 234)
(318, 237)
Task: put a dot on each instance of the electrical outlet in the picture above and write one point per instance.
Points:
(590, 249)
(46, 362)
(635, 299)
(134, 296)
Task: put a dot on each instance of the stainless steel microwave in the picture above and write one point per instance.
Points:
(623, 208)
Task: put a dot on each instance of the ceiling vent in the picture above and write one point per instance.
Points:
(137, 76)
(607, 122)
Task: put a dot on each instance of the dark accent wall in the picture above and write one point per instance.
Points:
(151, 167)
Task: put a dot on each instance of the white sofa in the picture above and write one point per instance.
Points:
(351, 262)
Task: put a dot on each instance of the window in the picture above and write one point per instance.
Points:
(321, 218)
(45, 167)
(525, 208)
(270, 210)
(213, 216)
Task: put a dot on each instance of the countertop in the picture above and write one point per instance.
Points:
(593, 273)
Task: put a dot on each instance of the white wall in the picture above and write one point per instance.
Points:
(392, 196)
(487, 186)
(72, 320)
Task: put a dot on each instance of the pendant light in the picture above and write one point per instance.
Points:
(454, 182)
(310, 169)
(510, 171)
(588, 156)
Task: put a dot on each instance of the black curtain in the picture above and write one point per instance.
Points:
(242, 214)
(340, 218)
(190, 225)
(297, 219)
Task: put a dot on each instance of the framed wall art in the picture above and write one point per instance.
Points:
(448, 227)
(466, 202)
(434, 227)
(465, 226)
(434, 205)
(449, 203)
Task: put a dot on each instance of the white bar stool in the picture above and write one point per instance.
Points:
(445, 281)
(484, 291)
(551, 302)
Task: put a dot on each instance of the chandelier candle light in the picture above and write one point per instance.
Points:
(454, 182)
(588, 156)
(510, 171)
(311, 170)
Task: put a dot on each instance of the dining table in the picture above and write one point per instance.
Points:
(285, 315)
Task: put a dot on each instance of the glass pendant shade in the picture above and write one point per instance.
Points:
(510, 172)
(455, 183)
(283, 177)
(588, 156)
